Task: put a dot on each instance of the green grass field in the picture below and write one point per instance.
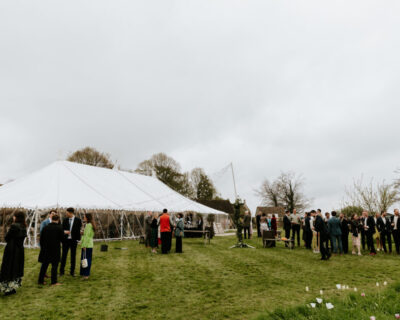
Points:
(211, 282)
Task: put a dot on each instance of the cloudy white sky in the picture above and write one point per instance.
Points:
(308, 86)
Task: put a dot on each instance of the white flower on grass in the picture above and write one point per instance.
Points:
(313, 305)
(321, 292)
(338, 286)
(377, 284)
(307, 289)
(319, 300)
(385, 283)
(329, 306)
(355, 289)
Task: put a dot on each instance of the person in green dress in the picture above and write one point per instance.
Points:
(87, 245)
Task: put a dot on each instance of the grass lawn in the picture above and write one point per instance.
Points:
(207, 282)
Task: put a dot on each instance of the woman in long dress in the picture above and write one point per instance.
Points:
(12, 267)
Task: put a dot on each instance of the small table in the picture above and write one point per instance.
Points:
(206, 234)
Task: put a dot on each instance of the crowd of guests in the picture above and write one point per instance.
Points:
(57, 239)
(159, 231)
(330, 233)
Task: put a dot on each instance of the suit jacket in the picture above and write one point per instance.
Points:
(371, 225)
(50, 243)
(246, 221)
(334, 226)
(398, 223)
(44, 224)
(287, 225)
(321, 227)
(344, 226)
(76, 228)
(380, 225)
(307, 226)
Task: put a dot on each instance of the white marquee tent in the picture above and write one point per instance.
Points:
(66, 184)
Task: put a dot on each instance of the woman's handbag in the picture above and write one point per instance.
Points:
(84, 261)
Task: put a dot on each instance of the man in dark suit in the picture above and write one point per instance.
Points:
(307, 230)
(322, 229)
(369, 227)
(72, 234)
(395, 223)
(287, 225)
(384, 229)
(258, 218)
(363, 220)
(344, 226)
(50, 246)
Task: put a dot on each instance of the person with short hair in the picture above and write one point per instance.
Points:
(246, 224)
(295, 220)
(47, 221)
(377, 234)
(322, 229)
(344, 226)
(179, 233)
(72, 234)
(50, 244)
(87, 244)
(147, 228)
(386, 231)
(308, 235)
(165, 229)
(369, 227)
(335, 233)
(12, 266)
(395, 223)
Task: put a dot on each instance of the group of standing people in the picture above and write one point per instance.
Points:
(329, 233)
(159, 230)
(56, 241)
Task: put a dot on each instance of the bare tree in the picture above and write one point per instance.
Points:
(92, 157)
(270, 193)
(372, 197)
(158, 162)
(286, 191)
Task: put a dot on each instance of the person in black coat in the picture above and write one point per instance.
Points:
(395, 227)
(72, 234)
(12, 267)
(287, 225)
(384, 228)
(50, 244)
(322, 229)
(369, 227)
(258, 218)
(344, 227)
(308, 235)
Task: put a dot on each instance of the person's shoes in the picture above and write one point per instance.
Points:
(324, 258)
(9, 293)
(41, 283)
(359, 254)
(56, 284)
(372, 254)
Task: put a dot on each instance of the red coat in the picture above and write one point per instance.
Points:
(165, 226)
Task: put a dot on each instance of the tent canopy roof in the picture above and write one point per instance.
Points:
(65, 184)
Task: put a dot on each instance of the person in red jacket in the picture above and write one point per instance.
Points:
(165, 230)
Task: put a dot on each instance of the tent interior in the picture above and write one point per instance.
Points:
(117, 199)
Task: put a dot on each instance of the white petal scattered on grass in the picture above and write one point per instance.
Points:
(329, 306)
(372, 318)
(321, 292)
(385, 283)
(319, 300)
(307, 289)
(355, 289)
(377, 284)
(338, 286)
(313, 305)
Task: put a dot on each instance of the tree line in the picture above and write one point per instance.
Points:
(195, 184)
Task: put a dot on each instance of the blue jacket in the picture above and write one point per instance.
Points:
(44, 224)
(334, 226)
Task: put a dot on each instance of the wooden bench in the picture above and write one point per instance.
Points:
(269, 240)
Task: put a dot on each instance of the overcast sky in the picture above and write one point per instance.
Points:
(307, 86)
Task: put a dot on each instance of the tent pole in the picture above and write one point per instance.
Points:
(122, 224)
(35, 230)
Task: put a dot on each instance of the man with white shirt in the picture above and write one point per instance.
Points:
(396, 230)
(295, 220)
(72, 234)
(384, 228)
